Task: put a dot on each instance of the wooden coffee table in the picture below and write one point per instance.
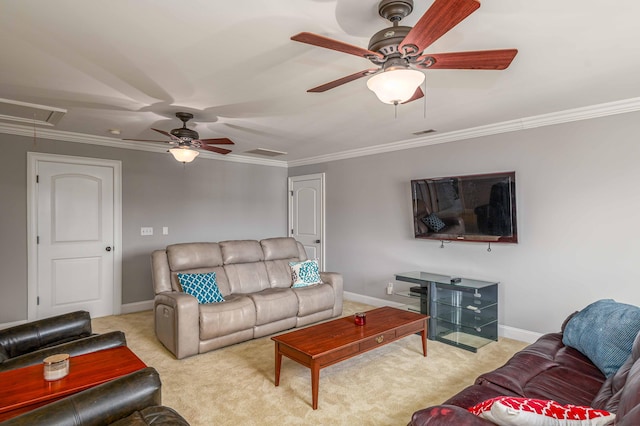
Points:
(330, 342)
(24, 389)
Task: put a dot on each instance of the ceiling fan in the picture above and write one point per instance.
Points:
(186, 141)
(398, 51)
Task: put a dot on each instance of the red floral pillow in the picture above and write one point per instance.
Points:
(512, 411)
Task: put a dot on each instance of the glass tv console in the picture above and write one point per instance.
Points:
(464, 312)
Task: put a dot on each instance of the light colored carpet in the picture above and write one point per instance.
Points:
(235, 385)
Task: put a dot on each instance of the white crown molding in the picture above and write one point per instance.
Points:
(567, 116)
(59, 135)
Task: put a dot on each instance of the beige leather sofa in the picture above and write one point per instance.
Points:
(255, 279)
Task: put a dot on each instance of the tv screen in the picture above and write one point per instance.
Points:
(470, 208)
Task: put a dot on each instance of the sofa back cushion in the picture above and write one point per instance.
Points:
(625, 383)
(193, 255)
(197, 258)
(241, 251)
(247, 278)
(279, 248)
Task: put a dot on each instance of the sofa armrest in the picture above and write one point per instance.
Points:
(447, 415)
(85, 345)
(334, 279)
(177, 323)
(102, 404)
(25, 338)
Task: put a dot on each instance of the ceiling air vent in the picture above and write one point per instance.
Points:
(266, 152)
(23, 112)
(424, 132)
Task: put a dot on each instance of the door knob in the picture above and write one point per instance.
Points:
(108, 249)
(317, 241)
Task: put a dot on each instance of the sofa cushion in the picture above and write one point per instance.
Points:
(193, 255)
(604, 331)
(155, 415)
(201, 286)
(279, 248)
(241, 251)
(609, 395)
(508, 411)
(547, 369)
(274, 304)
(245, 278)
(236, 313)
(314, 299)
(279, 272)
(305, 273)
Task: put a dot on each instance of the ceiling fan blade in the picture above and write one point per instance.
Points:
(343, 80)
(437, 20)
(477, 60)
(143, 140)
(167, 134)
(329, 43)
(216, 149)
(417, 95)
(217, 141)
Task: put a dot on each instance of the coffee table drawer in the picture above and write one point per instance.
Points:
(340, 354)
(379, 340)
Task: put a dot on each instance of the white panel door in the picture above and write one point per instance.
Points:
(306, 214)
(75, 227)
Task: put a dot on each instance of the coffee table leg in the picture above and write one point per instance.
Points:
(278, 363)
(315, 378)
(423, 333)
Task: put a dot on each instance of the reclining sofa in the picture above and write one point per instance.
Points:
(255, 279)
(550, 370)
(28, 344)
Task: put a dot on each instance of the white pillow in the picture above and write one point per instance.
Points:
(305, 273)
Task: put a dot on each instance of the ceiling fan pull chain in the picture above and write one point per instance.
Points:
(425, 98)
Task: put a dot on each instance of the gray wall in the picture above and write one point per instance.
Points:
(577, 200)
(207, 200)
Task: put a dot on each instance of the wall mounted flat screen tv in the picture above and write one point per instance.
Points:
(469, 208)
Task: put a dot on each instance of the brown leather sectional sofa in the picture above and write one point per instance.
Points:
(255, 279)
(131, 400)
(28, 344)
(547, 369)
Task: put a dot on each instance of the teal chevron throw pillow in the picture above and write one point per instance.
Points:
(202, 286)
(305, 273)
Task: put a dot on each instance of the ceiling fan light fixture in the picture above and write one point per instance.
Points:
(395, 86)
(184, 154)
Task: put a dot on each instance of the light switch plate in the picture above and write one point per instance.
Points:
(146, 230)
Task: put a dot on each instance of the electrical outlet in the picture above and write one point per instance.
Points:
(390, 288)
(146, 230)
(165, 230)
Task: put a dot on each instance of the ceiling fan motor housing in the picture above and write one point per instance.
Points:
(185, 134)
(387, 41)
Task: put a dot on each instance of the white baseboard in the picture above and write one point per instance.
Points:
(518, 334)
(11, 324)
(373, 301)
(130, 308)
(503, 330)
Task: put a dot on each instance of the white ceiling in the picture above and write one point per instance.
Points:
(130, 65)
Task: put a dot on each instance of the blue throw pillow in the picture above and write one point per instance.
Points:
(604, 332)
(202, 286)
(305, 273)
